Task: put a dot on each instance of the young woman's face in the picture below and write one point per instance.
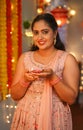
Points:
(43, 35)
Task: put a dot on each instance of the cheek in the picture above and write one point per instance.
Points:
(51, 38)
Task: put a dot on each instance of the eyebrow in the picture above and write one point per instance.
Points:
(42, 30)
(45, 29)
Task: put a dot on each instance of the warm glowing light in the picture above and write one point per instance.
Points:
(81, 71)
(39, 10)
(12, 6)
(81, 77)
(7, 85)
(28, 33)
(7, 106)
(8, 95)
(11, 106)
(15, 107)
(82, 82)
(13, 60)
(47, 1)
(73, 54)
(59, 22)
(11, 32)
(12, 29)
(7, 117)
(8, 121)
(82, 37)
(72, 12)
(81, 88)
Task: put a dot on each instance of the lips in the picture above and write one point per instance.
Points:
(41, 42)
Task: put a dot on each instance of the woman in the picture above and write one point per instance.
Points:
(45, 82)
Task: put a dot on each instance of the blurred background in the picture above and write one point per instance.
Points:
(16, 37)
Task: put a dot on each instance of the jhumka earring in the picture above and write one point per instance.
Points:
(54, 41)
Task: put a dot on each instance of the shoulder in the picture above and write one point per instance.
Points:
(71, 58)
(68, 58)
(62, 55)
(61, 52)
(23, 55)
(71, 61)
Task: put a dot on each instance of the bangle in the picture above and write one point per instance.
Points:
(24, 84)
(54, 82)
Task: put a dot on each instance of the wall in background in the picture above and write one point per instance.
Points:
(28, 13)
(75, 30)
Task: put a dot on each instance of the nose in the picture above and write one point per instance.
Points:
(40, 36)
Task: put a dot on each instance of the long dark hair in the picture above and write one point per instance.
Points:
(50, 20)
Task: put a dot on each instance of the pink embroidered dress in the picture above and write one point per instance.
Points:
(41, 108)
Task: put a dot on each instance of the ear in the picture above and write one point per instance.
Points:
(55, 34)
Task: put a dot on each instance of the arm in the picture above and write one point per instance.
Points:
(67, 88)
(17, 91)
(22, 80)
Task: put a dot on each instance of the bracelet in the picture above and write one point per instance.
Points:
(24, 84)
(54, 82)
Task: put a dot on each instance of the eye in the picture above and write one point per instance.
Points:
(35, 32)
(45, 31)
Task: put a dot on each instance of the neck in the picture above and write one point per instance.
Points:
(47, 52)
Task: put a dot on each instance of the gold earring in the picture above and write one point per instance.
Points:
(54, 41)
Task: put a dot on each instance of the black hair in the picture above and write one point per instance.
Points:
(50, 20)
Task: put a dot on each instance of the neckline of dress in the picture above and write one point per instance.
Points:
(40, 64)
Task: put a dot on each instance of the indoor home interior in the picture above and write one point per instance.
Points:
(16, 37)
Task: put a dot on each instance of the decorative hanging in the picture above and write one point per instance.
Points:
(41, 5)
(3, 50)
(40, 8)
(10, 41)
(61, 15)
(61, 11)
(19, 10)
(14, 34)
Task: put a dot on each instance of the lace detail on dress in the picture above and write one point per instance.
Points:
(28, 112)
(29, 60)
(59, 66)
(27, 65)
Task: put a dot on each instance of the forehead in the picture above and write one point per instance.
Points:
(41, 24)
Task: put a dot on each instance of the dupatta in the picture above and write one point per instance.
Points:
(45, 118)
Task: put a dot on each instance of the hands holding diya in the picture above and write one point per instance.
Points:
(36, 74)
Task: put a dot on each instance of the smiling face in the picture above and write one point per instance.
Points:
(43, 35)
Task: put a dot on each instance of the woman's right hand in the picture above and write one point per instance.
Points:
(30, 76)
